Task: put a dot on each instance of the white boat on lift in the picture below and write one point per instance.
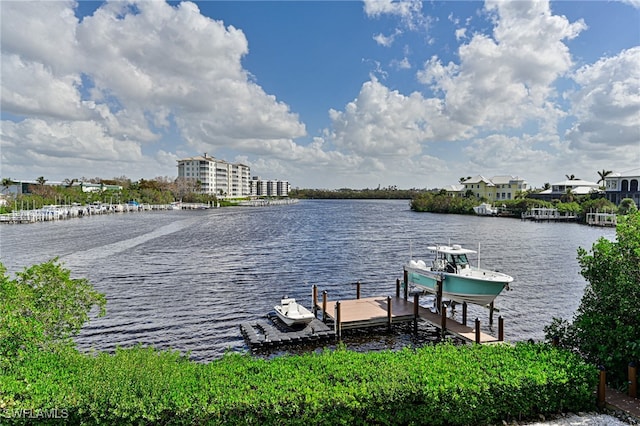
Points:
(292, 313)
(460, 281)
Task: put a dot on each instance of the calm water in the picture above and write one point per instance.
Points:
(187, 279)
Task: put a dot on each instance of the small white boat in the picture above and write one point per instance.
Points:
(485, 209)
(292, 313)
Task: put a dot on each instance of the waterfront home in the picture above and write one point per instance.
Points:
(495, 189)
(573, 186)
(619, 186)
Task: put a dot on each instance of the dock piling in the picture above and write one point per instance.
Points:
(464, 313)
(491, 314)
(602, 387)
(338, 322)
(358, 290)
(389, 312)
(397, 288)
(314, 299)
(324, 306)
(477, 330)
(416, 313)
(443, 320)
(501, 328)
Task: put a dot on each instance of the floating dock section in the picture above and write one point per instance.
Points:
(263, 334)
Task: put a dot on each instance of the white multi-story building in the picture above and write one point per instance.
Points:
(619, 186)
(269, 188)
(216, 177)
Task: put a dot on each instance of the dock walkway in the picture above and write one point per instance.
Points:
(374, 311)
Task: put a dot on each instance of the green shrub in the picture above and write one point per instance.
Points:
(441, 384)
(606, 327)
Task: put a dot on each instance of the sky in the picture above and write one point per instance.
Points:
(323, 94)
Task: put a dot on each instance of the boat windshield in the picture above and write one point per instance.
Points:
(457, 259)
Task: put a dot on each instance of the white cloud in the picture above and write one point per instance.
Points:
(123, 77)
(505, 81)
(381, 122)
(607, 105)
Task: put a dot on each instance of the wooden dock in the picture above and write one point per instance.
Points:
(359, 313)
(381, 311)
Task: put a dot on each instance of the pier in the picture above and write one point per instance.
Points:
(62, 212)
(337, 316)
(543, 214)
(380, 311)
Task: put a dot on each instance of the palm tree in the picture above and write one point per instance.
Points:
(546, 186)
(571, 177)
(603, 174)
(568, 196)
(41, 180)
(6, 183)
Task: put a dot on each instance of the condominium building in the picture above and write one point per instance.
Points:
(269, 188)
(216, 177)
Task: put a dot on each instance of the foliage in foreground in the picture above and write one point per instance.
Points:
(606, 327)
(441, 384)
(42, 307)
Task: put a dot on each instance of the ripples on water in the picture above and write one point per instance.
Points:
(187, 279)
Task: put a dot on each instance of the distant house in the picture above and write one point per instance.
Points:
(454, 190)
(574, 186)
(619, 186)
(496, 188)
(19, 187)
(96, 187)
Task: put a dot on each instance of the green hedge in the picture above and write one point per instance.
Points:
(440, 384)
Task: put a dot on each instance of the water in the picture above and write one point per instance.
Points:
(186, 279)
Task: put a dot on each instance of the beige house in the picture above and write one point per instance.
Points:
(496, 188)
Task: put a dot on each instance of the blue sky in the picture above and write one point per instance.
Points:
(324, 94)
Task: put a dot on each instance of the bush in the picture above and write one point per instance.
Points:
(606, 327)
(442, 384)
(42, 307)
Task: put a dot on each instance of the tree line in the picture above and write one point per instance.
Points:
(160, 190)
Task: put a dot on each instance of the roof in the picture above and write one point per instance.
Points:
(478, 179)
(455, 249)
(455, 188)
(499, 180)
(576, 183)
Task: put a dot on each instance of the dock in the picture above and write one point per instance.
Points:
(359, 313)
(273, 333)
(380, 311)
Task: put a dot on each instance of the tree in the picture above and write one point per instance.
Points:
(41, 180)
(6, 183)
(43, 307)
(546, 186)
(606, 326)
(627, 205)
(572, 177)
(603, 174)
(568, 196)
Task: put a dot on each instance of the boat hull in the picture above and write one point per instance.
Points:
(457, 287)
(292, 313)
